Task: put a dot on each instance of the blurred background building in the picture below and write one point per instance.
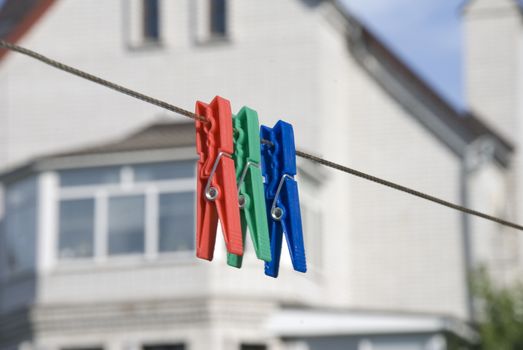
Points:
(97, 189)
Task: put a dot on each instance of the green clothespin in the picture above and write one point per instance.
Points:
(247, 160)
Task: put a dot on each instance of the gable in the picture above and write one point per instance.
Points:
(455, 128)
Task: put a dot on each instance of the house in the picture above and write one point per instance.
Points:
(97, 189)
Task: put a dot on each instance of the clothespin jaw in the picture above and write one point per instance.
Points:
(247, 160)
(281, 195)
(216, 190)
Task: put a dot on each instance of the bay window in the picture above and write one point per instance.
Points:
(138, 210)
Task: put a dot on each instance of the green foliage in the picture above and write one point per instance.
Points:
(501, 318)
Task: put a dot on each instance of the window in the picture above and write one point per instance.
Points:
(143, 209)
(90, 176)
(20, 225)
(176, 222)
(218, 17)
(151, 20)
(142, 23)
(126, 225)
(365, 344)
(164, 347)
(76, 228)
(253, 347)
(209, 21)
(164, 171)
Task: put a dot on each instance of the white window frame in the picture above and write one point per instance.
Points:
(200, 17)
(133, 22)
(101, 194)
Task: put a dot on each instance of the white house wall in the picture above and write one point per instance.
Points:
(392, 251)
(413, 242)
(381, 249)
(307, 78)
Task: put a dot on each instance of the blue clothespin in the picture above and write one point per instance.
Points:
(281, 196)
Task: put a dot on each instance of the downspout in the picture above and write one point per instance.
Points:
(477, 153)
(466, 240)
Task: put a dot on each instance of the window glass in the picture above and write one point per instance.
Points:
(253, 347)
(218, 17)
(90, 176)
(151, 20)
(126, 224)
(20, 225)
(76, 230)
(164, 347)
(176, 222)
(164, 171)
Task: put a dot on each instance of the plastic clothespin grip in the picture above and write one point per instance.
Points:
(217, 196)
(281, 195)
(247, 160)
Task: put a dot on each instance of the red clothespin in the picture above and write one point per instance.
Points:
(217, 194)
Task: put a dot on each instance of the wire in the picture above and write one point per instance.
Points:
(186, 113)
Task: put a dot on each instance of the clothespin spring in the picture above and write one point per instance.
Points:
(241, 198)
(277, 212)
(211, 193)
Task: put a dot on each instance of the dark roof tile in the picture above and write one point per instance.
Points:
(155, 136)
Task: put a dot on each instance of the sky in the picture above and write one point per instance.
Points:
(424, 33)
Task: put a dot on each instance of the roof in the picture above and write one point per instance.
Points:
(157, 142)
(17, 17)
(153, 137)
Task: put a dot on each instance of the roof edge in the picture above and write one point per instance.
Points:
(26, 24)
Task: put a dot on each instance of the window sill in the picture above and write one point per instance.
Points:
(146, 46)
(214, 40)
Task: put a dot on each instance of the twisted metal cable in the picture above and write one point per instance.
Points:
(186, 113)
